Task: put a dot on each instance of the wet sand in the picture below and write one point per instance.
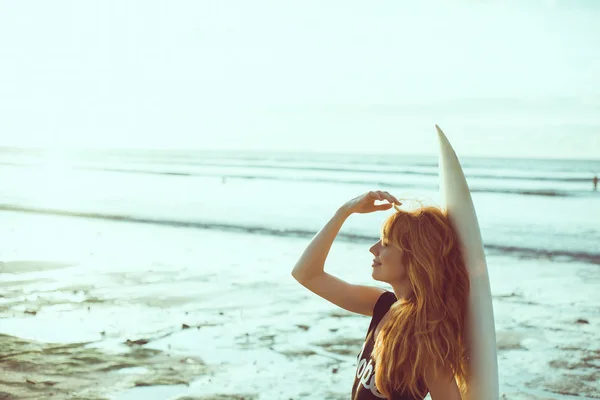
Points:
(108, 310)
(32, 369)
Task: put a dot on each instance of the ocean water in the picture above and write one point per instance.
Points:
(533, 208)
(161, 238)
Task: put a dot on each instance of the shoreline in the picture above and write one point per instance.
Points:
(250, 331)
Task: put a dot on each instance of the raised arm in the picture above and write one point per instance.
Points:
(310, 268)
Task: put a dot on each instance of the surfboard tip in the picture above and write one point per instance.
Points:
(443, 140)
(439, 130)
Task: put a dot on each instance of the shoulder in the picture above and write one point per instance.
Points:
(441, 383)
(383, 304)
(387, 297)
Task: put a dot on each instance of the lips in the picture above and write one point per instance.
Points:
(376, 263)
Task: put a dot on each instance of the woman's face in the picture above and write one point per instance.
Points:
(387, 264)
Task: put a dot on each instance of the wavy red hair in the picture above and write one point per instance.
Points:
(427, 329)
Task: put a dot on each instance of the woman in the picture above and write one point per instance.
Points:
(416, 333)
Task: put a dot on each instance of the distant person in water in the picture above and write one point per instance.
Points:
(595, 180)
(414, 343)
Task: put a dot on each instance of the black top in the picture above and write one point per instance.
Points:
(364, 382)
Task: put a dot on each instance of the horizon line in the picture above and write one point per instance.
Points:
(281, 151)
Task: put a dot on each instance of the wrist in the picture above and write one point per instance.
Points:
(344, 212)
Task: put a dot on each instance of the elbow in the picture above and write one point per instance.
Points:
(299, 275)
(296, 275)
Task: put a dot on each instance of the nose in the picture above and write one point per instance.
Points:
(375, 248)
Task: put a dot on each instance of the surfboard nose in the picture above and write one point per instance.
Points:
(439, 131)
(445, 146)
(443, 140)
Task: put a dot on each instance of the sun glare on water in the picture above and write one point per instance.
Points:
(55, 182)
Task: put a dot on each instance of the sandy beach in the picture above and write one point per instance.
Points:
(95, 310)
(163, 166)
(129, 276)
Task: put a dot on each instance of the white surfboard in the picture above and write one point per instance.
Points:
(481, 333)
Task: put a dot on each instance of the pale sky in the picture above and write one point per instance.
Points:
(500, 77)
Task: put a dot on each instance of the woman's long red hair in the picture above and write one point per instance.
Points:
(427, 329)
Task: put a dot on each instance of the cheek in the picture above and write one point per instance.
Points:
(391, 259)
(393, 264)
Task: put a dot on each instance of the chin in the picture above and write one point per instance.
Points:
(374, 276)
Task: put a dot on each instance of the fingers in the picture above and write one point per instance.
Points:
(393, 199)
(382, 195)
